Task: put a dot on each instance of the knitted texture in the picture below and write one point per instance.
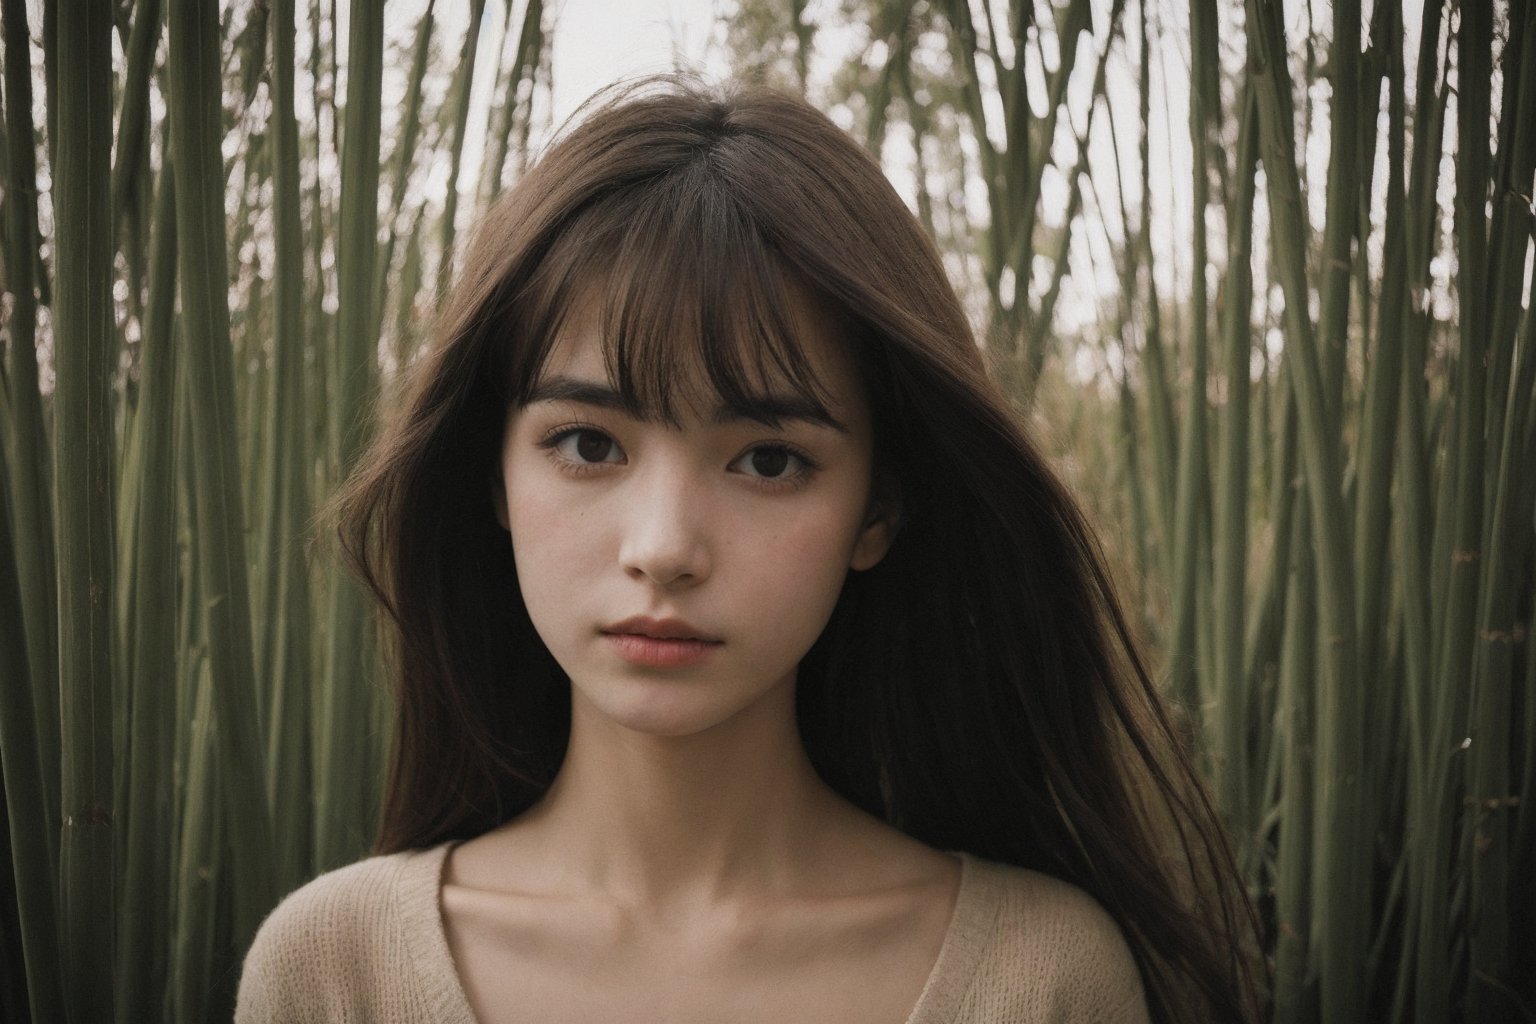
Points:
(366, 943)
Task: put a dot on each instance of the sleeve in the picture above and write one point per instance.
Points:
(303, 962)
(1102, 967)
(260, 996)
(1058, 957)
(281, 981)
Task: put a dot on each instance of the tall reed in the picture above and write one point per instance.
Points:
(1306, 421)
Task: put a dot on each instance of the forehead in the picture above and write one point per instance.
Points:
(677, 287)
(797, 364)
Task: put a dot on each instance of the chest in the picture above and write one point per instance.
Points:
(525, 963)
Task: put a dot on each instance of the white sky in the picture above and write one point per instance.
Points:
(597, 42)
(594, 43)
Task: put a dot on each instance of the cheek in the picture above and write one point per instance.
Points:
(533, 519)
(802, 563)
(549, 548)
(542, 510)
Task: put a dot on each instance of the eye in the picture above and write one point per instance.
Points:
(772, 462)
(584, 446)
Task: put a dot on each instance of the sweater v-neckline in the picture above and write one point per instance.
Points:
(418, 897)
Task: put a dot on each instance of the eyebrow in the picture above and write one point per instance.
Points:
(770, 410)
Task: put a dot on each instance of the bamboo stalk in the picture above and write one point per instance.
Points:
(85, 351)
(502, 110)
(1295, 996)
(1459, 513)
(462, 80)
(198, 876)
(1509, 229)
(196, 117)
(405, 328)
(1183, 667)
(921, 130)
(50, 81)
(891, 26)
(145, 918)
(1379, 419)
(320, 217)
(30, 472)
(30, 862)
(1159, 400)
(1029, 143)
(962, 43)
(1344, 176)
(1265, 627)
(13, 998)
(1036, 325)
(1425, 963)
(1491, 800)
(133, 139)
(289, 769)
(346, 786)
(1342, 881)
(532, 49)
(1232, 681)
(403, 159)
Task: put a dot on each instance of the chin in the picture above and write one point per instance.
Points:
(662, 707)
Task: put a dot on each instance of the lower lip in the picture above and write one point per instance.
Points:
(656, 653)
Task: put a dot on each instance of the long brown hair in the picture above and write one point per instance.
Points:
(979, 689)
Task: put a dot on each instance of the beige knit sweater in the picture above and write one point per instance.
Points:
(366, 944)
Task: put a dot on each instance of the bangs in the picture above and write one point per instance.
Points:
(694, 307)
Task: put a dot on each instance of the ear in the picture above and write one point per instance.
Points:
(499, 501)
(877, 534)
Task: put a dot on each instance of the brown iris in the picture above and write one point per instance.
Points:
(770, 461)
(592, 446)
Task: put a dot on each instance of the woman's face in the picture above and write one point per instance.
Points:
(680, 574)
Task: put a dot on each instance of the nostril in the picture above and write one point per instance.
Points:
(663, 573)
(667, 564)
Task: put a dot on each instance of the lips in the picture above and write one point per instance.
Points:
(659, 629)
(659, 643)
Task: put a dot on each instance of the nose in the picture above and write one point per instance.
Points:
(665, 536)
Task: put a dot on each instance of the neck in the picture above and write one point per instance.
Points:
(732, 811)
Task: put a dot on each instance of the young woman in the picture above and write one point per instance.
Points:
(753, 666)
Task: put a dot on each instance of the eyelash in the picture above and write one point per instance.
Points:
(552, 440)
(551, 445)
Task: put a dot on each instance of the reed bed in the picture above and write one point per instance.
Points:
(1309, 428)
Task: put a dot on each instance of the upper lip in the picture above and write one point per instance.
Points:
(659, 629)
